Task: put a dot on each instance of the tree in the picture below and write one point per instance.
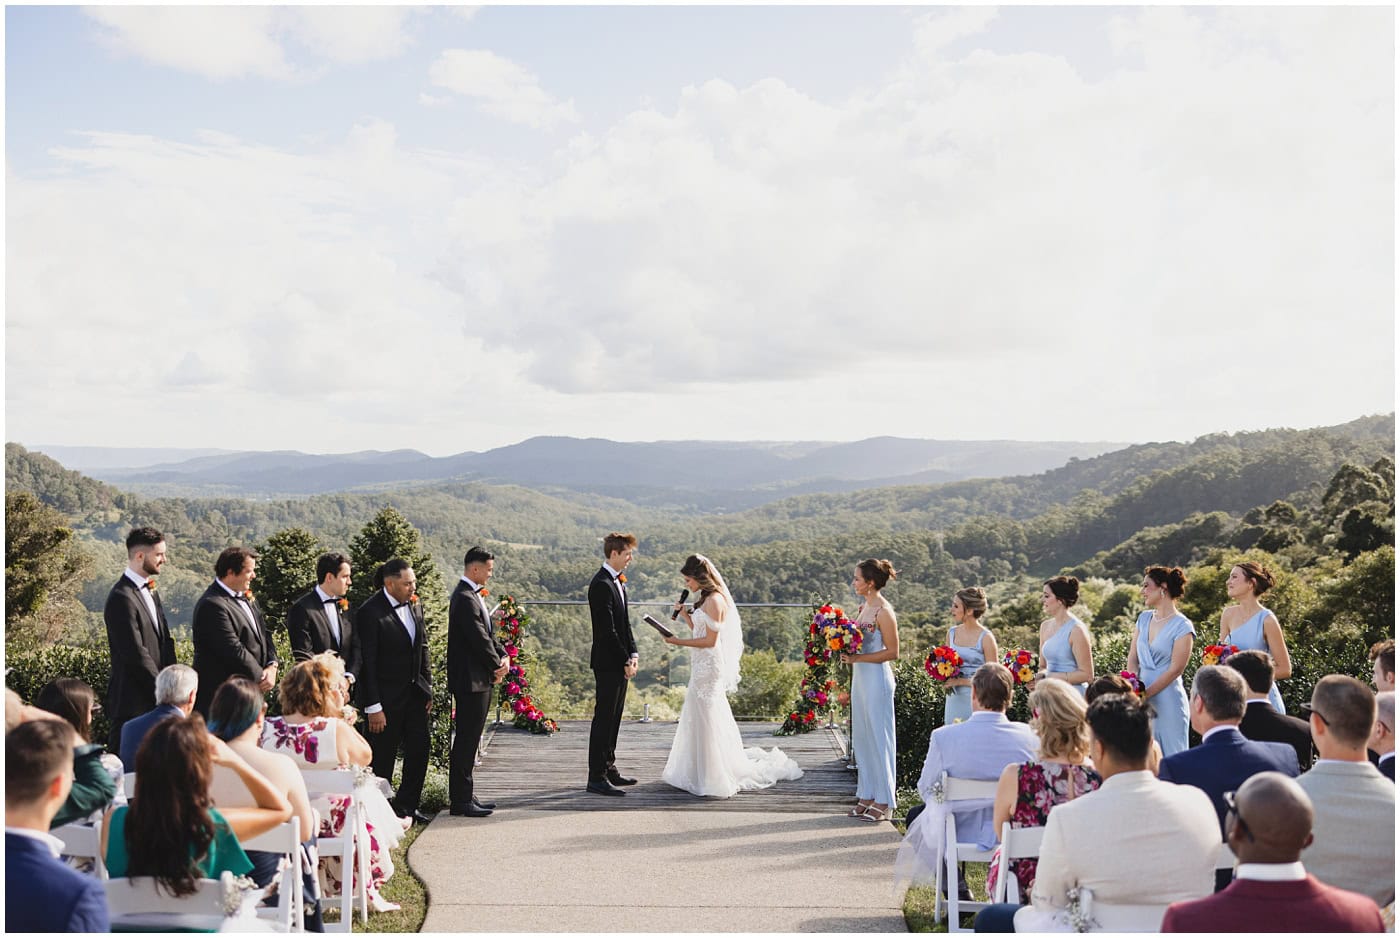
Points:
(286, 570)
(41, 561)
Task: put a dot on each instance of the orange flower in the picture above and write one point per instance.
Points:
(622, 578)
(413, 598)
(151, 583)
(248, 595)
(343, 603)
(484, 592)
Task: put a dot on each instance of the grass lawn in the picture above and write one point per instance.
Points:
(918, 901)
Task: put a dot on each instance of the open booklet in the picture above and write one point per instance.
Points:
(656, 624)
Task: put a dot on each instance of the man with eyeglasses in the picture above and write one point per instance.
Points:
(1268, 823)
(1354, 828)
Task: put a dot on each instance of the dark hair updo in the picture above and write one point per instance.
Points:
(1171, 579)
(1065, 589)
(878, 572)
(1258, 575)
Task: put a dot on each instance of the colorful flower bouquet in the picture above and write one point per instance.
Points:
(1136, 682)
(829, 635)
(943, 664)
(1214, 654)
(511, 621)
(1021, 663)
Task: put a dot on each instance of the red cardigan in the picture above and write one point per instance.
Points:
(1252, 905)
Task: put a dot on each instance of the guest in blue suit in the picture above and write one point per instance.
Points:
(1225, 758)
(176, 687)
(41, 893)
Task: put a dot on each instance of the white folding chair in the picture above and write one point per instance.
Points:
(1225, 859)
(85, 841)
(1017, 843)
(284, 839)
(946, 879)
(1115, 917)
(136, 903)
(129, 784)
(352, 846)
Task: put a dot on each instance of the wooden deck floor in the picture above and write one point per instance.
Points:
(521, 770)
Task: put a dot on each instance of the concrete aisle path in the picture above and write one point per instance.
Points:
(587, 863)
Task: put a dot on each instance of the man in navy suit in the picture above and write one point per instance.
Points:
(41, 893)
(176, 687)
(1225, 758)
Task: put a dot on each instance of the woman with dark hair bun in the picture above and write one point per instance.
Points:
(872, 692)
(1065, 652)
(1249, 626)
(1161, 648)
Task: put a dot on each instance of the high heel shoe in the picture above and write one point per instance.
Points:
(876, 815)
(859, 810)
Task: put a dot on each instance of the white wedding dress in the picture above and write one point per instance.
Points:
(708, 755)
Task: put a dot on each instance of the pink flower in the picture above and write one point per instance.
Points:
(518, 706)
(512, 688)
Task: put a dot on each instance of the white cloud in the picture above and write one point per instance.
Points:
(501, 87)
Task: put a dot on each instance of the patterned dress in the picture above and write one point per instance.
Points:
(311, 745)
(1039, 787)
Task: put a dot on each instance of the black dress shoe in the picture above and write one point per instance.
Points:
(420, 818)
(469, 810)
(617, 778)
(488, 805)
(603, 788)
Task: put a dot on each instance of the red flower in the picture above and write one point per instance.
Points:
(151, 584)
(483, 592)
(248, 595)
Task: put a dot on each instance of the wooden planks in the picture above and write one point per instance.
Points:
(522, 770)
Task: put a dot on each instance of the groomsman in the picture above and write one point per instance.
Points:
(476, 663)
(138, 638)
(320, 620)
(613, 659)
(230, 635)
(396, 686)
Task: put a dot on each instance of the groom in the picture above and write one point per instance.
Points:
(613, 660)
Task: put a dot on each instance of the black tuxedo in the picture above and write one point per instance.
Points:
(613, 645)
(395, 675)
(1264, 724)
(139, 649)
(309, 627)
(473, 656)
(1387, 767)
(226, 644)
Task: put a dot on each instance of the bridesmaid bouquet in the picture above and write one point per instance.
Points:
(1212, 654)
(943, 664)
(839, 635)
(1021, 663)
(1138, 686)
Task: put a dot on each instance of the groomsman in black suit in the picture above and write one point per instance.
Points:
(320, 620)
(396, 686)
(230, 635)
(138, 638)
(1262, 722)
(476, 663)
(614, 662)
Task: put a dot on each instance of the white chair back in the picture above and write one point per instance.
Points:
(1225, 859)
(129, 784)
(84, 841)
(136, 903)
(1115, 917)
(1017, 843)
(352, 846)
(958, 789)
(284, 839)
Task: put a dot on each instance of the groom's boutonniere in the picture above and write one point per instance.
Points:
(622, 578)
(342, 604)
(151, 583)
(483, 592)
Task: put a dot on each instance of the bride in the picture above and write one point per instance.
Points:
(708, 755)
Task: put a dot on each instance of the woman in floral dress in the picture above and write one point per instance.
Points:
(313, 732)
(1026, 792)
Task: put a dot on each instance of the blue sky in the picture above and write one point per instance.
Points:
(722, 222)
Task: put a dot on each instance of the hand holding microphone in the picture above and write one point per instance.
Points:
(677, 611)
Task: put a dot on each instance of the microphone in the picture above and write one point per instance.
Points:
(677, 612)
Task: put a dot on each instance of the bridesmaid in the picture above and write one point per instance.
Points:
(974, 643)
(872, 693)
(1065, 652)
(1248, 625)
(1160, 650)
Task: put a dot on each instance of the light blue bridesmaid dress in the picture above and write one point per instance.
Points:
(958, 703)
(1249, 636)
(1056, 655)
(872, 724)
(1172, 720)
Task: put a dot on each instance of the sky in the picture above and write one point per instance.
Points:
(446, 229)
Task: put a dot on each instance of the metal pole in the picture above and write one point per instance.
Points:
(646, 713)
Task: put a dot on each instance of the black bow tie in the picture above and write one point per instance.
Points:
(398, 606)
(240, 597)
(333, 599)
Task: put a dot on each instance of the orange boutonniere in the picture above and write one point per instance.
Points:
(343, 604)
(151, 583)
(413, 599)
(622, 578)
(248, 595)
(483, 592)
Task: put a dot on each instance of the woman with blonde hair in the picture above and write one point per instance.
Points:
(974, 643)
(317, 732)
(1062, 771)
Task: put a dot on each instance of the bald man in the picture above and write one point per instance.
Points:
(1383, 734)
(1267, 826)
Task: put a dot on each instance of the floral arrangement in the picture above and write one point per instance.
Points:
(1136, 682)
(943, 663)
(1212, 654)
(511, 622)
(829, 635)
(1021, 663)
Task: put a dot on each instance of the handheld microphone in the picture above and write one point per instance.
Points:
(677, 612)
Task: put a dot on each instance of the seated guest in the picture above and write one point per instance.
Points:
(1382, 740)
(171, 830)
(236, 717)
(17, 711)
(97, 774)
(1224, 759)
(1089, 841)
(1117, 684)
(42, 894)
(1383, 665)
(1060, 771)
(1268, 824)
(176, 687)
(1261, 722)
(1353, 805)
(978, 748)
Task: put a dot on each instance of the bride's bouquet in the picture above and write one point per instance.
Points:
(1021, 663)
(943, 663)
